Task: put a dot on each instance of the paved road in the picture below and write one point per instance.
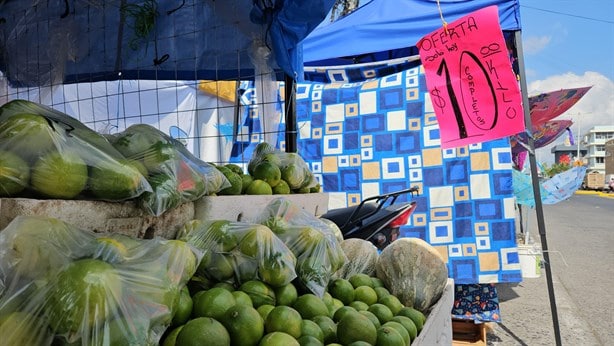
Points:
(580, 235)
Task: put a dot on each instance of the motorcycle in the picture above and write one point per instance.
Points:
(376, 218)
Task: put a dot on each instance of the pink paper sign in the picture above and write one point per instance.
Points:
(469, 75)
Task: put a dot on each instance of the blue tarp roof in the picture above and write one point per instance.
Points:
(58, 41)
(391, 27)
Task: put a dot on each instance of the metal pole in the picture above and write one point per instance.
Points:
(541, 226)
(290, 109)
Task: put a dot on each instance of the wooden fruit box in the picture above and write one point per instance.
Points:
(467, 332)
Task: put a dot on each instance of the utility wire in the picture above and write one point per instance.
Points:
(568, 14)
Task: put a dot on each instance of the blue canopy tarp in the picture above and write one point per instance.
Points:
(388, 29)
(58, 41)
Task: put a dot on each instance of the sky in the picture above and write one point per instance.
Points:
(566, 44)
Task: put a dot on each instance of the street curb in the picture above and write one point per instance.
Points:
(595, 193)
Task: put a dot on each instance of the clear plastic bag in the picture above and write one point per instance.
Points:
(46, 153)
(292, 168)
(62, 285)
(237, 252)
(317, 250)
(175, 175)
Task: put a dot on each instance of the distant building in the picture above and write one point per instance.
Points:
(569, 150)
(609, 157)
(595, 140)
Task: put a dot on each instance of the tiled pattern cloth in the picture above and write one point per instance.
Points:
(381, 135)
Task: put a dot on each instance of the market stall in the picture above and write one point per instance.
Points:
(108, 232)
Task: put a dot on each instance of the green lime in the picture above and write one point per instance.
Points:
(203, 331)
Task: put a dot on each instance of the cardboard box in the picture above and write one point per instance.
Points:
(467, 332)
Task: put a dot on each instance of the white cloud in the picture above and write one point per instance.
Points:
(595, 108)
(535, 44)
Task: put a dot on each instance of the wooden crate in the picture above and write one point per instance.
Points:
(466, 332)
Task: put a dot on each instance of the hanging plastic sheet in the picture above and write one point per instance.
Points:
(556, 189)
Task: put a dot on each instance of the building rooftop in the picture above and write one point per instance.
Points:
(563, 147)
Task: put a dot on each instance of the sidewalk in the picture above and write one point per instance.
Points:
(527, 320)
(525, 308)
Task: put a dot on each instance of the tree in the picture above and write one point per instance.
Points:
(342, 8)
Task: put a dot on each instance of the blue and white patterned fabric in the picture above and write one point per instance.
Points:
(381, 135)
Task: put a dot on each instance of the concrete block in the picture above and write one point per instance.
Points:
(247, 207)
(98, 216)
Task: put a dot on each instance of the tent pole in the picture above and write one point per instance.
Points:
(541, 226)
(290, 110)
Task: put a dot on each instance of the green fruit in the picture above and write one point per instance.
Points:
(213, 303)
(359, 305)
(315, 189)
(221, 267)
(116, 181)
(203, 331)
(356, 327)
(260, 292)
(278, 339)
(263, 149)
(343, 290)
(259, 187)
(408, 324)
(281, 188)
(392, 302)
(311, 328)
(161, 157)
(382, 312)
(360, 279)
(286, 294)
(164, 195)
(342, 311)
(277, 271)
(388, 336)
(242, 298)
(293, 175)
(246, 180)
(400, 329)
(28, 135)
(136, 140)
(308, 340)
(234, 168)
(371, 317)
(274, 158)
(92, 286)
(14, 174)
(284, 319)
(328, 327)
(309, 306)
(265, 310)
(22, 328)
(236, 183)
(268, 172)
(415, 315)
(59, 175)
(171, 338)
(184, 307)
(365, 294)
(244, 325)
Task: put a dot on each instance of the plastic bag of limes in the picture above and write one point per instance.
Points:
(46, 153)
(317, 250)
(176, 176)
(61, 285)
(273, 166)
(238, 252)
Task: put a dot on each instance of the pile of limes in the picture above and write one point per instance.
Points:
(270, 172)
(354, 311)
